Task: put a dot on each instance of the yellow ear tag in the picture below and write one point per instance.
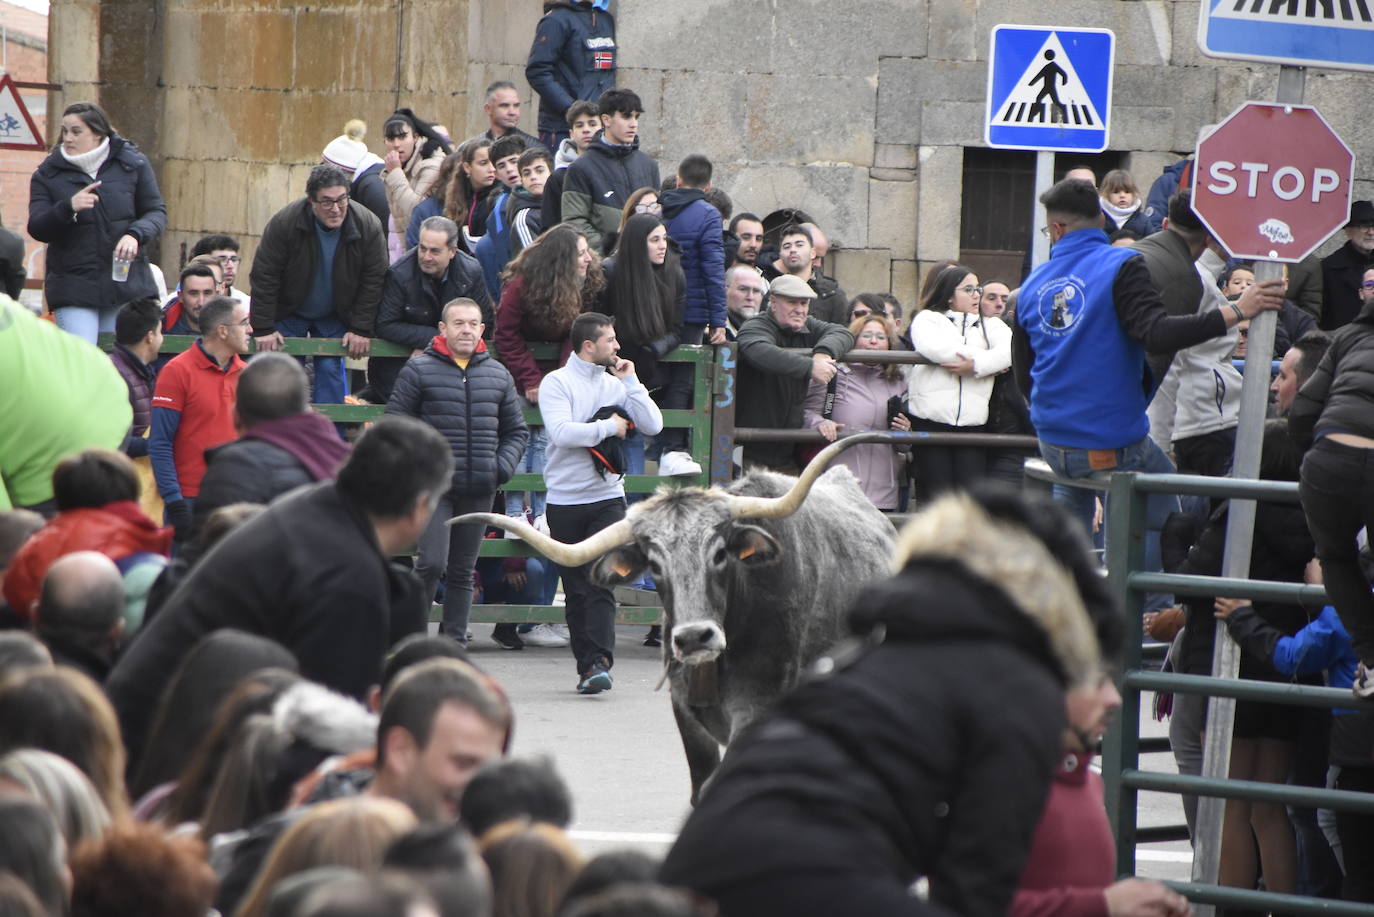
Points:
(749, 551)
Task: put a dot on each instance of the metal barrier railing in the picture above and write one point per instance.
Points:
(1123, 746)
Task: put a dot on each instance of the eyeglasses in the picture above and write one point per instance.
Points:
(971, 290)
(752, 291)
(246, 323)
(1367, 285)
(235, 259)
(1045, 230)
(873, 336)
(338, 203)
(857, 314)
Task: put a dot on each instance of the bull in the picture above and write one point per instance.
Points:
(755, 579)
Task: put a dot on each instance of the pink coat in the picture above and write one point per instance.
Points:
(861, 396)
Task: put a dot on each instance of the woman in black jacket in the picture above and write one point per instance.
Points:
(95, 202)
(645, 291)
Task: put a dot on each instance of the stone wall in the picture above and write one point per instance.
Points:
(857, 111)
(235, 99)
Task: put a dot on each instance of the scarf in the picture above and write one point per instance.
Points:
(1120, 214)
(91, 161)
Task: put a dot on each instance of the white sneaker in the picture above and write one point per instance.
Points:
(677, 464)
(518, 517)
(1363, 685)
(545, 635)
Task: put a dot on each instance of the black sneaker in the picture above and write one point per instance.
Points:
(596, 680)
(655, 635)
(507, 638)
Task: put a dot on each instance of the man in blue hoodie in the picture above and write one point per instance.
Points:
(697, 229)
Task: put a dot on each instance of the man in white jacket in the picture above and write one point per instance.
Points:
(583, 500)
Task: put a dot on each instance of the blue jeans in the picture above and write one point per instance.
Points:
(1143, 456)
(331, 383)
(634, 460)
(85, 323)
(532, 462)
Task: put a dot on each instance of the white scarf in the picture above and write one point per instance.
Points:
(1120, 214)
(90, 161)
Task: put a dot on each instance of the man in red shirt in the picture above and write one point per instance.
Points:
(1071, 868)
(193, 406)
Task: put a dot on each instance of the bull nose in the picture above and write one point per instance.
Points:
(690, 638)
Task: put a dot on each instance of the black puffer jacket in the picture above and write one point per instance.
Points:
(1340, 394)
(476, 409)
(927, 752)
(81, 245)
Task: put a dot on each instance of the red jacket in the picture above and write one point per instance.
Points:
(117, 530)
(1072, 857)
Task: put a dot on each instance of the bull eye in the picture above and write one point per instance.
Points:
(720, 557)
(655, 569)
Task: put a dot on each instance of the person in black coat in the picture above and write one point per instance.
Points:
(282, 444)
(311, 572)
(456, 387)
(417, 287)
(925, 746)
(94, 199)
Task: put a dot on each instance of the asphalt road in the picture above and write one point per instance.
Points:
(620, 753)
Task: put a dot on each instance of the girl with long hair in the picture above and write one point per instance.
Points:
(468, 199)
(415, 150)
(951, 393)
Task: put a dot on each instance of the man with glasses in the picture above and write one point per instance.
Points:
(1342, 296)
(318, 273)
(225, 250)
(744, 292)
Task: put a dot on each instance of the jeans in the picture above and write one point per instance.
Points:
(1337, 493)
(452, 549)
(1185, 741)
(590, 609)
(633, 446)
(1143, 456)
(85, 323)
(532, 462)
(541, 582)
(331, 383)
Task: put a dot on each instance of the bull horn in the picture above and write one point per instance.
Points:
(790, 502)
(567, 555)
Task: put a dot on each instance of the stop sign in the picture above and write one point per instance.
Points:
(1272, 182)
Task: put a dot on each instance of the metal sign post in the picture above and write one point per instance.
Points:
(1240, 526)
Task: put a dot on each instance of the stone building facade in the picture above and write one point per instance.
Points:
(868, 114)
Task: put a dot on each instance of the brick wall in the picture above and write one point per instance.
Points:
(26, 56)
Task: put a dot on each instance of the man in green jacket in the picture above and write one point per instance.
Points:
(61, 395)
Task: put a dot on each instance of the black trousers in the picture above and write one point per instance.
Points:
(1356, 831)
(589, 609)
(1207, 453)
(941, 468)
(801, 894)
(1337, 493)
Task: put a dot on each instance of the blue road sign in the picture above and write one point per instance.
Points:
(1305, 33)
(1050, 89)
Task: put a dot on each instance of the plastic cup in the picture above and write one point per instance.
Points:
(119, 269)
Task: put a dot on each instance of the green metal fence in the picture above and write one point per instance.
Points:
(1121, 771)
(712, 372)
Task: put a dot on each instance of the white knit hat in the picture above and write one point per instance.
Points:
(345, 152)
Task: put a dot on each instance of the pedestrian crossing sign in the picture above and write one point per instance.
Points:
(1049, 89)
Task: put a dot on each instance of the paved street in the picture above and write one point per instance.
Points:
(620, 754)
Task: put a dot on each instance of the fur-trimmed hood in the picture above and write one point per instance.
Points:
(324, 720)
(956, 532)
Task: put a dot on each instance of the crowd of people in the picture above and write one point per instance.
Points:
(217, 687)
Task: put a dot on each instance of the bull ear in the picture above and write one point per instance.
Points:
(619, 566)
(752, 545)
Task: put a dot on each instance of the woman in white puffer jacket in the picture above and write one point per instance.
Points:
(951, 394)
